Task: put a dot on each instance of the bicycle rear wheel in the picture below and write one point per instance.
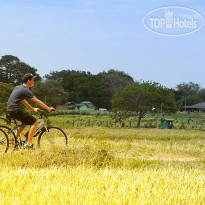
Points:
(4, 142)
(52, 137)
(11, 138)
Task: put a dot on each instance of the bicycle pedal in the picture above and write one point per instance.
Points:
(17, 143)
(16, 148)
(23, 142)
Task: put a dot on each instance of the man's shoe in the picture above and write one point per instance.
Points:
(26, 146)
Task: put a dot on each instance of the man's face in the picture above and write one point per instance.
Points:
(31, 82)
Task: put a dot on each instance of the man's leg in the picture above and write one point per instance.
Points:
(31, 132)
(20, 129)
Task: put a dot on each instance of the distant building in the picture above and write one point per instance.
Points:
(192, 108)
(61, 107)
(68, 105)
(85, 105)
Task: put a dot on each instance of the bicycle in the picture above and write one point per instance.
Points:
(48, 136)
(4, 142)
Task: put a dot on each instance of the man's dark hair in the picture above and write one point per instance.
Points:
(27, 76)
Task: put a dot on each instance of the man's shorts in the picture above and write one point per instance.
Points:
(23, 116)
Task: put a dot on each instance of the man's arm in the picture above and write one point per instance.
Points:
(28, 105)
(40, 103)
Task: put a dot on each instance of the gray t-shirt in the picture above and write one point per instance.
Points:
(19, 93)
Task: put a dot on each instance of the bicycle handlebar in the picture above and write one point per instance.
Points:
(43, 111)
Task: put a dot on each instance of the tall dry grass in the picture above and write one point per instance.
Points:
(78, 185)
(109, 166)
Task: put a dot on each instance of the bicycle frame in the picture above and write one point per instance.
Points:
(12, 131)
(41, 124)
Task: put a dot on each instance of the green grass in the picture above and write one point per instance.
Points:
(105, 119)
(130, 148)
(196, 122)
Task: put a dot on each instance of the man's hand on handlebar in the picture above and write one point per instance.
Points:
(36, 109)
(51, 109)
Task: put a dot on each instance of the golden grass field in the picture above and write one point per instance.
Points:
(109, 166)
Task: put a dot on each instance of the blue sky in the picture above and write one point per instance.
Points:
(97, 35)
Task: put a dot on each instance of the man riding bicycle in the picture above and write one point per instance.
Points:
(19, 95)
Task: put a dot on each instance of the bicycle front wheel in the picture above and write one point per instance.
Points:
(52, 137)
(4, 142)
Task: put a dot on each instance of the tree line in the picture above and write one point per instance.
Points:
(113, 89)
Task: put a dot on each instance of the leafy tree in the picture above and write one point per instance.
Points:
(51, 92)
(189, 88)
(12, 70)
(98, 89)
(142, 98)
(188, 94)
(112, 80)
(5, 91)
(91, 89)
(202, 94)
(69, 80)
(193, 99)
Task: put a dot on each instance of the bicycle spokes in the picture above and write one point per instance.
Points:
(4, 144)
(52, 137)
(3, 141)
